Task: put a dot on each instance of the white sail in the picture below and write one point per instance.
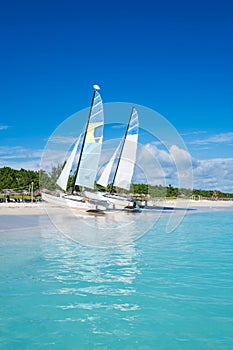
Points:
(106, 173)
(64, 176)
(89, 161)
(126, 163)
(128, 155)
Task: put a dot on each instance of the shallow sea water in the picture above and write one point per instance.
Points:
(163, 291)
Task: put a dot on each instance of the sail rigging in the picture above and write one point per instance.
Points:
(90, 144)
(106, 173)
(126, 161)
(90, 153)
(65, 173)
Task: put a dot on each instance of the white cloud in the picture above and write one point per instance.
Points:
(62, 140)
(148, 166)
(166, 166)
(19, 157)
(198, 132)
(4, 127)
(213, 174)
(219, 138)
(181, 157)
(28, 165)
(173, 167)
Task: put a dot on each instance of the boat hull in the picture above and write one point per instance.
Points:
(92, 205)
(64, 201)
(75, 201)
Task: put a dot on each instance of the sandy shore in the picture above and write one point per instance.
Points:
(41, 208)
(30, 216)
(180, 203)
(23, 209)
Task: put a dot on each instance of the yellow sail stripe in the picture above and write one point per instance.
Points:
(90, 137)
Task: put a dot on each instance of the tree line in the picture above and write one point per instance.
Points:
(18, 180)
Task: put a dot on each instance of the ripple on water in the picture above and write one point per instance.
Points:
(173, 290)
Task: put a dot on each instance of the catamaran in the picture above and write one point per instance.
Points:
(89, 146)
(124, 168)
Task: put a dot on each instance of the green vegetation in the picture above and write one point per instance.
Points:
(18, 179)
(211, 194)
(21, 180)
(159, 191)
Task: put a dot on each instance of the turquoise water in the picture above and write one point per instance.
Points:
(165, 291)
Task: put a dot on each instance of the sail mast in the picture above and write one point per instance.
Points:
(119, 159)
(96, 88)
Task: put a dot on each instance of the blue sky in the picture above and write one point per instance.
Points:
(172, 56)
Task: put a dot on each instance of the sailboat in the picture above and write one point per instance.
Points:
(124, 168)
(89, 145)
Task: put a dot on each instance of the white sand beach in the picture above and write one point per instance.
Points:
(204, 203)
(99, 231)
(23, 208)
(41, 208)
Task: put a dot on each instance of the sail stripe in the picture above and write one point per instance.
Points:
(93, 144)
(128, 156)
(127, 161)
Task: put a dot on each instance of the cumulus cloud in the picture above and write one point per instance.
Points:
(173, 166)
(181, 157)
(214, 174)
(165, 166)
(148, 167)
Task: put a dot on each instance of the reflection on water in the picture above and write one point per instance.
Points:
(87, 284)
(163, 289)
(84, 271)
(109, 230)
(52, 280)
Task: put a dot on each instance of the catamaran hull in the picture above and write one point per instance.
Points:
(103, 203)
(75, 201)
(66, 202)
(111, 201)
(121, 203)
